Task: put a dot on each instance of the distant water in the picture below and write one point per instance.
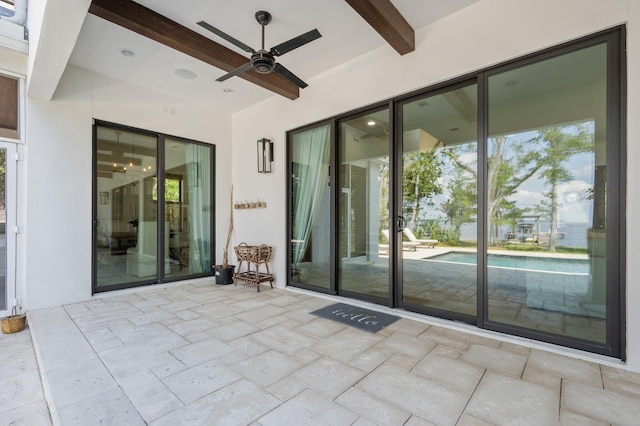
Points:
(573, 234)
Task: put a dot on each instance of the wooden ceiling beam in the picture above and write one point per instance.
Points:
(383, 16)
(150, 24)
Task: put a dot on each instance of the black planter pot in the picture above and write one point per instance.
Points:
(223, 275)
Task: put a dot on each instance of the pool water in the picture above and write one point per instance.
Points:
(576, 266)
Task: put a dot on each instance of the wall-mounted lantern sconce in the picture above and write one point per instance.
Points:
(265, 155)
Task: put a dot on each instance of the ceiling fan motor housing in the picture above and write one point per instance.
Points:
(263, 62)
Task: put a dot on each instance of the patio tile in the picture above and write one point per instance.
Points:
(35, 413)
(152, 315)
(149, 395)
(621, 381)
(373, 409)
(79, 380)
(261, 313)
(328, 376)
(196, 382)
(565, 367)
(138, 351)
(111, 408)
(496, 359)
(309, 408)
(502, 399)
(232, 331)
(409, 345)
(148, 332)
(320, 328)
(239, 403)
(417, 421)
(186, 328)
(600, 404)
(248, 346)
(286, 389)
(283, 339)
(569, 418)
(267, 368)
(201, 351)
(347, 344)
(172, 366)
(19, 390)
(410, 327)
(468, 420)
(370, 359)
(403, 361)
(284, 366)
(431, 401)
(450, 372)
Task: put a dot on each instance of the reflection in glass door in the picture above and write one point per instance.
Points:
(153, 213)
(188, 207)
(547, 203)
(126, 210)
(364, 206)
(310, 207)
(439, 203)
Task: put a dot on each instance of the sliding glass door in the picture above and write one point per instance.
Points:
(153, 210)
(7, 222)
(496, 199)
(310, 207)
(363, 205)
(548, 222)
(439, 173)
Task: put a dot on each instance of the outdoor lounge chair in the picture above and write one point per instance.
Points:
(422, 243)
(409, 245)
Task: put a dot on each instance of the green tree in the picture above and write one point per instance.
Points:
(421, 172)
(560, 144)
(461, 206)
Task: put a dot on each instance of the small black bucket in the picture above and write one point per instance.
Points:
(223, 275)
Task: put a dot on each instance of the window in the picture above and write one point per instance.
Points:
(9, 107)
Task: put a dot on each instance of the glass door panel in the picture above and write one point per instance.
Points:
(188, 208)
(439, 202)
(126, 208)
(7, 218)
(546, 169)
(310, 207)
(363, 227)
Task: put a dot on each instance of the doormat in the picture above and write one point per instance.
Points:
(361, 318)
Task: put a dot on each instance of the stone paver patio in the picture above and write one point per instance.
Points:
(199, 354)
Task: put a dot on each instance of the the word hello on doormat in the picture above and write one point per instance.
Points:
(361, 318)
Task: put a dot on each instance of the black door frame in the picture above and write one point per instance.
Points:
(160, 170)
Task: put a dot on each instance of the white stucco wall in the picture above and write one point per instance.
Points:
(484, 34)
(58, 163)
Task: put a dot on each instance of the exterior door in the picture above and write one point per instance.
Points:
(438, 203)
(7, 227)
(363, 228)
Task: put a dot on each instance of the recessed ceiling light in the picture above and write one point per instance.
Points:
(371, 123)
(227, 90)
(128, 53)
(186, 74)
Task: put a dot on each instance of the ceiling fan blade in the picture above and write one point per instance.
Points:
(283, 71)
(226, 36)
(295, 42)
(239, 70)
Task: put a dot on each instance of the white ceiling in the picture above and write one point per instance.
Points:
(345, 35)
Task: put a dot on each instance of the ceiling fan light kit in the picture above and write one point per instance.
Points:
(264, 61)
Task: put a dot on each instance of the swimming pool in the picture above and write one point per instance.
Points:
(550, 264)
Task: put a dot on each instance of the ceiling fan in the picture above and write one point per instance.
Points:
(263, 61)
